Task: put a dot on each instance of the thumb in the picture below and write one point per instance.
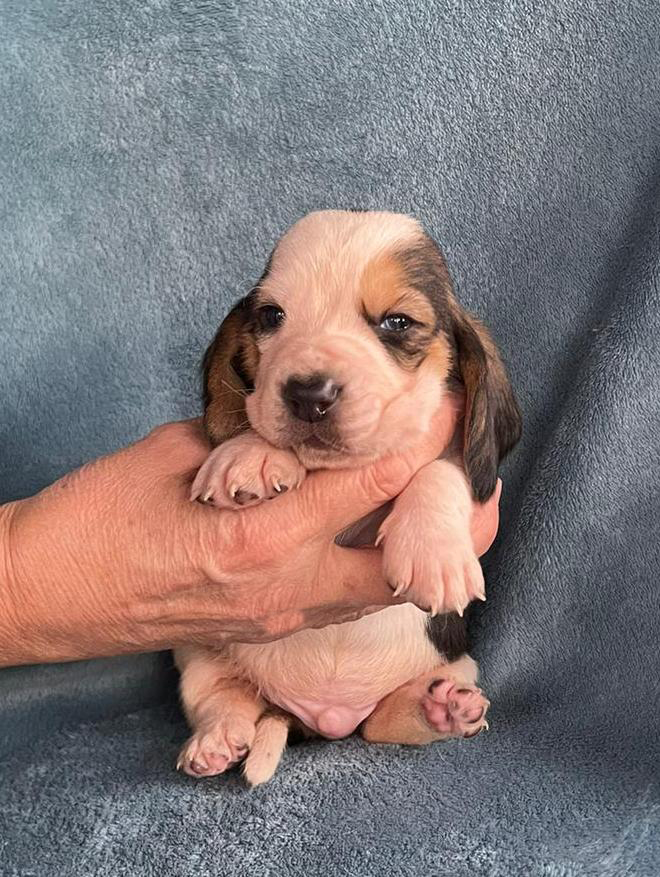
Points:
(333, 499)
(353, 578)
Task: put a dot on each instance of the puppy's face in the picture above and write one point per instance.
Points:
(343, 349)
(347, 323)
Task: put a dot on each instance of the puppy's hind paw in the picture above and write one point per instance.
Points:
(456, 709)
(213, 750)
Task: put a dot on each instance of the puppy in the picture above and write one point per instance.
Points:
(340, 354)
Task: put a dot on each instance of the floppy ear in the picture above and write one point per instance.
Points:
(229, 367)
(492, 418)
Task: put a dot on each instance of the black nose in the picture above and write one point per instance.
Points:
(310, 398)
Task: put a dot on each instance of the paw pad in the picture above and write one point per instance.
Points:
(455, 711)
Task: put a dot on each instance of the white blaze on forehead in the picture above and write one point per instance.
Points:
(337, 229)
(327, 273)
(317, 265)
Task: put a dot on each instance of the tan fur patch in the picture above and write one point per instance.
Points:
(439, 356)
(225, 414)
(398, 717)
(384, 289)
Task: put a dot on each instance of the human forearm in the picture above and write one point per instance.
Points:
(46, 613)
(9, 624)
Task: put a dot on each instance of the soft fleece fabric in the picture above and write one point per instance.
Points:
(150, 154)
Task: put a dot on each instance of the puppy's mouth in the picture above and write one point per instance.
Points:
(320, 440)
(324, 444)
(318, 443)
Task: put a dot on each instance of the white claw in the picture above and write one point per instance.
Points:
(401, 588)
(277, 486)
(379, 539)
(459, 609)
(486, 726)
(208, 496)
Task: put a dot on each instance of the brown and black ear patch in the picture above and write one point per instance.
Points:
(229, 368)
(493, 423)
(426, 271)
(416, 278)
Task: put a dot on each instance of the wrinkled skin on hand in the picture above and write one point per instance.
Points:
(113, 558)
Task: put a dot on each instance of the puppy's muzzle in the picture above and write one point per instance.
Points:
(310, 398)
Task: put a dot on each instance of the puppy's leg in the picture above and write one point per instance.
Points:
(440, 704)
(267, 748)
(427, 547)
(222, 709)
(245, 471)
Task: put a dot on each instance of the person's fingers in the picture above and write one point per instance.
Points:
(354, 577)
(351, 584)
(359, 572)
(330, 500)
(485, 521)
(333, 499)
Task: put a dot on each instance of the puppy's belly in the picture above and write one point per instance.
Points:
(332, 679)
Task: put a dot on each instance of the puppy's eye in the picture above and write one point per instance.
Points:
(396, 323)
(269, 318)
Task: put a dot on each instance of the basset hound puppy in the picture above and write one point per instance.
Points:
(339, 355)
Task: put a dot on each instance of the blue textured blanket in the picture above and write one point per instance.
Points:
(150, 154)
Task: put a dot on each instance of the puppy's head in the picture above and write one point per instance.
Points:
(345, 346)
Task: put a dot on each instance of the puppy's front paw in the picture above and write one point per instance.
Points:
(437, 571)
(245, 471)
(212, 750)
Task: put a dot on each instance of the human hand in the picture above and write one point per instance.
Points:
(113, 558)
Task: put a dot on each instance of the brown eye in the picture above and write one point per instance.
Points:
(396, 323)
(269, 318)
